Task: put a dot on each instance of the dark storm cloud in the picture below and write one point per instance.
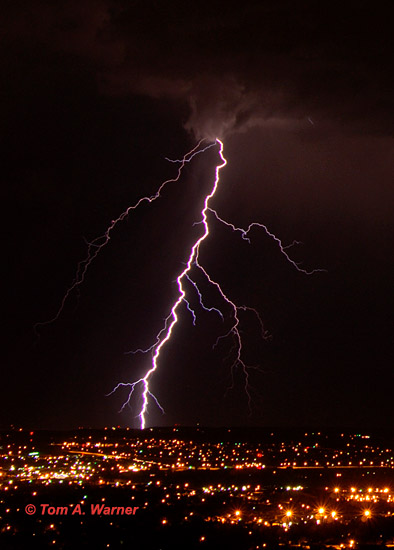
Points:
(233, 65)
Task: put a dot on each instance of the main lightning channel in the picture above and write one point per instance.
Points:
(172, 318)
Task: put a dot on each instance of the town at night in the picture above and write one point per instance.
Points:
(197, 488)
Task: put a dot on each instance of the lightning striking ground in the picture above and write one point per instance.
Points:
(171, 320)
(185, 276)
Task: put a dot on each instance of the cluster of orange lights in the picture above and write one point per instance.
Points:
(324, 514)
(369, 495)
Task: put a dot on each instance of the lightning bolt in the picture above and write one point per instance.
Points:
(172, 319)
(192, 266)
(186, 275)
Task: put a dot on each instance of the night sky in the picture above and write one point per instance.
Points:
(94, 96)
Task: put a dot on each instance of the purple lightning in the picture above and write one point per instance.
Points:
(172, 318)
(244, 234)
(95, 246)
(165, 333)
